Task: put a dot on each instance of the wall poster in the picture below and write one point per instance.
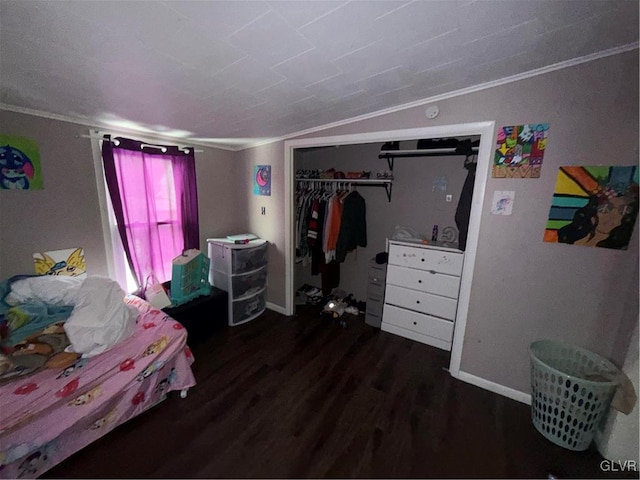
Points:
(19, 164)
(262, 180)
(520, 151)
(594, 206)
(502, 203)
(68, 262)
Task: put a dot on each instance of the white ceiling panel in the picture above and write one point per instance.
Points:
(369, 60)
(220, 18)
(334, 88)
(298, 14)
(483, 18)
(418, 21)
(213, 69)
(192, 45)
(390, 79)
(555, 13)
(270, 40)
(504, 43)
(307, 69)
(283, 92)
(248, 75)
(348, 27)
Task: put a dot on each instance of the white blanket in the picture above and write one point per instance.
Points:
(99, 319)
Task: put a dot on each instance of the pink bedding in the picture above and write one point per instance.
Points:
(49, 415)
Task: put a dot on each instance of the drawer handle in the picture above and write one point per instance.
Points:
(432, 272)
(415, 323)
(417, 301)
(419, 281)
(422, 259)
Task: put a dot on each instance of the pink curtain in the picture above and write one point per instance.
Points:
(154, 197)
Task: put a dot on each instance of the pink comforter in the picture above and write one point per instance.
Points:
(47, 416)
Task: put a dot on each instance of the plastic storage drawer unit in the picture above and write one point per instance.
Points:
(240, 270)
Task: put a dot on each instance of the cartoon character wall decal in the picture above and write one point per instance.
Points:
(19, 163)
(15, 169)
(68, 262)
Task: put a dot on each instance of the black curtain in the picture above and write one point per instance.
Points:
(464, 205)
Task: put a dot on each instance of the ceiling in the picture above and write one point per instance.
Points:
(236, 73)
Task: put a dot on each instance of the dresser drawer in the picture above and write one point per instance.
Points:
(374, 305)
(417, 322)
(377, 272)
(424, 281)
(248, 284)
(376, 277)
(422, 302)
(426, 259)
(373, 319)
(375, 290)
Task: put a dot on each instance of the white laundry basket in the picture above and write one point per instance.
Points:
(571, 390)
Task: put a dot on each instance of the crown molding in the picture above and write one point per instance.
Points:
(88, 122)
(104, 126)
(457, 93)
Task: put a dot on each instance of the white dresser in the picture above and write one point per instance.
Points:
(421, 295)
(240, 270)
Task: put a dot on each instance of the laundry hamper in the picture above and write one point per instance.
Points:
(571, 390)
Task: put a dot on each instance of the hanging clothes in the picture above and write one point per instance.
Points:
(329, 224)
(464, 205)
(329, 272)
(353, 227)
(332, 227)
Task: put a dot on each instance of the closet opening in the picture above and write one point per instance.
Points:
(411, 182)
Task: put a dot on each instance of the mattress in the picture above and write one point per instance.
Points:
(49, 415)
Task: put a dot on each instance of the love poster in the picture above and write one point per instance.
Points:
(520, 151)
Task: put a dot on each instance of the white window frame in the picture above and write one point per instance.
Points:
(117, 265)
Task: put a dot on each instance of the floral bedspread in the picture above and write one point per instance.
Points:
(51, 414)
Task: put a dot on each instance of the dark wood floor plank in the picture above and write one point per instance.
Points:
(302, 397)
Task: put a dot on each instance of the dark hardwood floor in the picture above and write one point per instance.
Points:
(302, 397)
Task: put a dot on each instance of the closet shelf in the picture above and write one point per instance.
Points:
(387, 183)
(432, 152)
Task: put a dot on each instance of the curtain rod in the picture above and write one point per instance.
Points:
(162, 147)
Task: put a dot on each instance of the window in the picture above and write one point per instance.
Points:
(154, 200)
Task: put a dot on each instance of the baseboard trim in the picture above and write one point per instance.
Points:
(276, 308)
(494, 387)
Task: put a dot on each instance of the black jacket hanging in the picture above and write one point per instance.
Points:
(353, 227)
(464, 205)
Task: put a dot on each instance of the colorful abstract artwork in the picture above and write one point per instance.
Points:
(520, 151)
(594, 206)
(19, 164)
(68, 262)
(262, 180)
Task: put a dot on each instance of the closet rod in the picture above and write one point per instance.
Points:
(347, 180)
(387, 183)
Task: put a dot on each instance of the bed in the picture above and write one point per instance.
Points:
(49, 414)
